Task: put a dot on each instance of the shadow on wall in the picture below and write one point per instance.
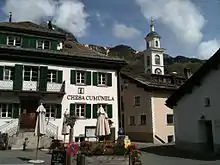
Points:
(172, 151)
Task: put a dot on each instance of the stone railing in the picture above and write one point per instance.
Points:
(52, 130)
(10, 127)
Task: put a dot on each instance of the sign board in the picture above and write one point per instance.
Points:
(58, 158)
(73, 148)
(90, 98)
(90, 131)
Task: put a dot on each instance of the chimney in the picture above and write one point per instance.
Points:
(49, 24)
(187, 73)
(10, 16)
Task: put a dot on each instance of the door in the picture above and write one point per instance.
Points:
(28, 116)
(209, 135)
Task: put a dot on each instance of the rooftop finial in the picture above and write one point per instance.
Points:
(10, 16)
(152, 25)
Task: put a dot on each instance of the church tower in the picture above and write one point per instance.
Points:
(153, 55)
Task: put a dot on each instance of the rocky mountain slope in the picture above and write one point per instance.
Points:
(135, 59)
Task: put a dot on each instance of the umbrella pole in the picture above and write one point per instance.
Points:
(38, 139)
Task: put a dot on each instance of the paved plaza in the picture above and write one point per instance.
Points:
(152, 155)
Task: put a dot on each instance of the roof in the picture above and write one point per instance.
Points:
(27, 25)
(162, 82)
(153, 34)
(194, 80)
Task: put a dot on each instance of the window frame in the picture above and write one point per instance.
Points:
(30, 73)
(168, 119)
(10, 76)
(80, 107)
(43, 44)
(145, 121)
(132, 120)
(157, 59)
(135, 99)
(100, 76)
(52, 72)
(82, 76)
(7, 105)
(48, 111)
(170, 136)
(14, 39)
(158, 73)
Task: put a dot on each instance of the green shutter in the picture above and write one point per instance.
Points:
(109, 110)
(32, 43)
(18, 77)
(59, 111)
(25, 42)
(88, 78)
(43, 78)
(3, 39)
(72, 109)
(73, 77)
(53, 45)
(16, 107)
(109, 79)
(94, 111)
(1, 72)
(95, 78)
(88, 111)
(59, 76)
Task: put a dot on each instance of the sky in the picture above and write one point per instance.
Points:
(187, 27)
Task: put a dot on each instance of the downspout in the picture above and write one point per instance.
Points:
(119, 98)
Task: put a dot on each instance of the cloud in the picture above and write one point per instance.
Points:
(182, 16)
(100, 19)
(124, 32)
(67, 14)
(207, 48)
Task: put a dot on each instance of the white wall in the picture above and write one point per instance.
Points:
(191, 107)
(72, 90)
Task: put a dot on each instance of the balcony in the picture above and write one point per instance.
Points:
(29, 86)
(54, 87)
(6, 84)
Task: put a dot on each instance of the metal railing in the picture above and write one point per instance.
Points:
(52, 130)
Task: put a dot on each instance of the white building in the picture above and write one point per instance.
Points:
(38, 66)
(196, 109)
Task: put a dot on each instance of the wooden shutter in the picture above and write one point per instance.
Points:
(88, 111)
(109, 110)
(32, 43)
(53, 45)
(16, 112)
(72, 109)
(3, 39)
(59, 77)
(1, 72)
(94, 111)
(18, 77)
(58, 111)
(25, 42)
(73, 77)
(109, 79)
(43, 78)
(95, 78)
(88, 78)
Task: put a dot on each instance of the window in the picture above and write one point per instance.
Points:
(43, 44)
(6, 110)
(8, 73)
(132, 120)
(80, 77)
(170, 119)
(52, 76)
(147, 44)
(156, 43)
(30, 73)
(14, 41)
(148, 60)
(143, 119)
(207, 102)
(170, 138)
(137, 100)
(50, 110)
(80, 110)
(102, 79)
(157, 60)
(158, 71)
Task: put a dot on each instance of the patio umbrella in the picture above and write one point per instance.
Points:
(40, 129)
(65, 128)
(102, 125)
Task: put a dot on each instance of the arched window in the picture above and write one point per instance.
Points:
(157, 60)
(147, 44)
(158, 71)
(157, 44)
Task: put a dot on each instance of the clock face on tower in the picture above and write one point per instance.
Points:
(158, 71)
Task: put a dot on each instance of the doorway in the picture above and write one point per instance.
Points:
(28, 113)
(209, 135)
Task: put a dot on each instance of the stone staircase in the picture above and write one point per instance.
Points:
(17, 141)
